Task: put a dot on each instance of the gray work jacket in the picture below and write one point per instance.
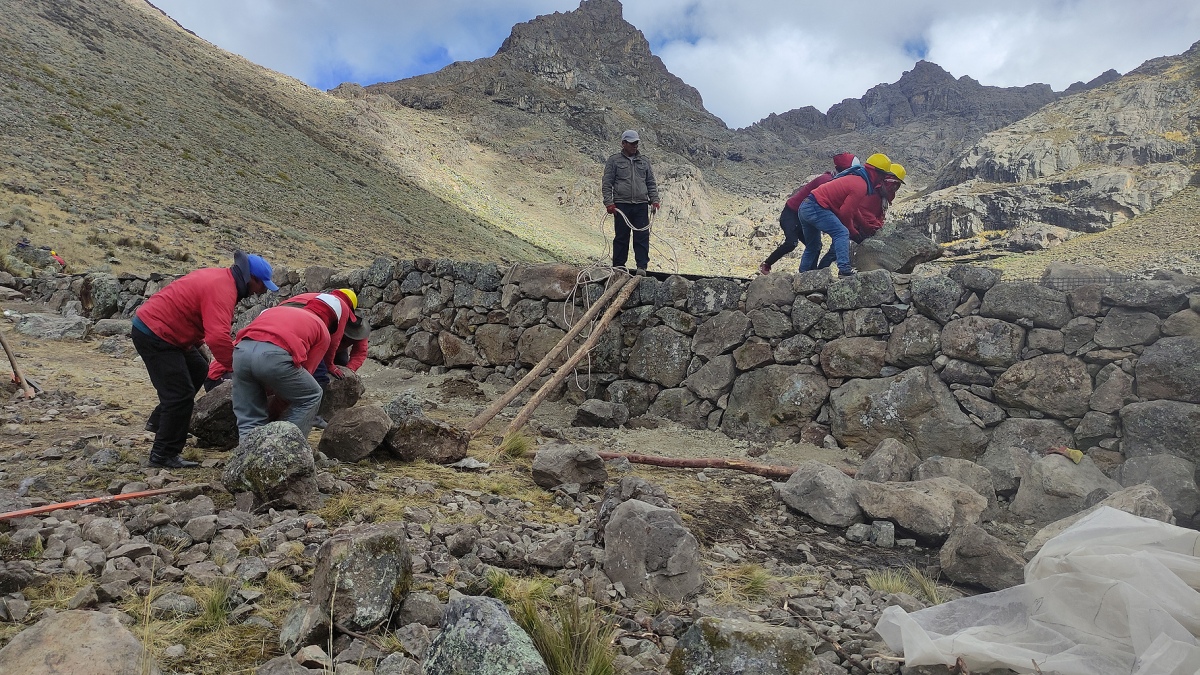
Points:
(628, 180)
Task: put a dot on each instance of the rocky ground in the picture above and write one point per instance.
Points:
(206, 584)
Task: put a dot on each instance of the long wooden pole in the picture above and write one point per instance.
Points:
(18, 376)
(97, 500)
(565, 369)
(481, 420)
(767, 470)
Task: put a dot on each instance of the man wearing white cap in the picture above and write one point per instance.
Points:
(628, 186)
(279, 351)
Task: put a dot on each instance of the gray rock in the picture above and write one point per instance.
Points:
(629, 487)
(805, 314)
(974, 278)
(1056, 487)
(865, 322)
(866, 289)
(914, 342)
(341, 393)
(53, 326)
(914, 407)
(355, 432)
(111, 327)
(422, 608)
(1170, 368)
(174, 606)
(1163, 298)
(1172, 476)
(1045, 307)
(1095, 427)
(962, 372)
(1127, 327)
(1162, 427)
(497, 343)
(1077, 333)
(559, 464)
(213, 423)
(853, 357)
(536, 342)
(712, 295)
(661, 355)
(1185, 322)
(77, 642)
(305, 624)
(361, 574)
(682, 406)
(822, 493)
(478, 637)
(100, 295)
(398, 664)
(596, 413)
(275, 462)
(770, 323)
(772, 290)
(633, 394)
(974, 476)
(972, 556)
(987, 342)
(936, 296)
(456, 352)
(794, 350)
(650, 552)
(1045, 340)
(414, 436)
(1055, 384)
(989, 413)
(891, 461)
(774, 402)
(895, 249)
(930, 509)
(555, 553)
(548, 281)
(104, 531)
(1141, 500)
(714, 646)
(1114, 389)
(720, 334)
(713, 379)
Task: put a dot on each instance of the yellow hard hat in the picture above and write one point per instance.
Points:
(351, 296)
(880, 161)
(898, 171)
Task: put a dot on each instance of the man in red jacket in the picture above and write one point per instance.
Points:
(847, 208)
(789, 218)
(279, 351)
(168, 330)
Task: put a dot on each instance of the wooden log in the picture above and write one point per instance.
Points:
(18, 376)
(767, 470)
(476, 425)
(565, 370)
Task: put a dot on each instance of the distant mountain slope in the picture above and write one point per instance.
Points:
(1081, 164)
(137, 141)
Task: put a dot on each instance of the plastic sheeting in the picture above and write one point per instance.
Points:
(1113, 594)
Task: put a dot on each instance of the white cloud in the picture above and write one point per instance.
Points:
(748, 58)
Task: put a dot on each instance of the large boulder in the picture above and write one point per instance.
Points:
(413, 436)
(987, 342)
(77, 642)
(1162, 427)
(1015, 444)
(1141, 500)
(275, 462)
(972, 556)
(1056, 487)
(915, 407)
(936, 296)
(361, 575)
(1170, 368)
(213, 423)
(714, 646)
(649, 551)
(633, 394)
(1013, 301)
(355, 432)
(853, 357)
(822, 493)
(1173, 477)
(660, 355)
(479, 637)
(914, 342)
(930, 509)
(549, 281)
(1163, 298)
(100, 295)
(53, 326)
(341, 393)
(711, 295)
(1114, 389)
(720, 334)
(713, 379)
(968, 473)
(559, 464)
(771, 290)
(868, 289)
(774, 402)
(1127, 327)
(896, 250)
(891, 461)
(596, 413)
(1055, 384)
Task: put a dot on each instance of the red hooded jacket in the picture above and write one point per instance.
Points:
(195, 309)
(299, 331)
(841, 162)
(859, 209)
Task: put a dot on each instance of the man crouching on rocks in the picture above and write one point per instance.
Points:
(168, 330)
(279, 351)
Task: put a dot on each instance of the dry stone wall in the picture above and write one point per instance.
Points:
(954, 363)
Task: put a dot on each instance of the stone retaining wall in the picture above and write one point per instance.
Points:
(959, 364)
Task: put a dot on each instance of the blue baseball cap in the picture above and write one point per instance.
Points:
(261, 269)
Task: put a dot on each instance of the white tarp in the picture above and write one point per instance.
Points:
(1114, 594)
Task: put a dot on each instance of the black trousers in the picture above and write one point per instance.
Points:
(789, 222)
(639, 217)
(177, 374)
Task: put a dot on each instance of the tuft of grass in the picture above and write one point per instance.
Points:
(249, 544)
(744, 583)
(512, 591)
(339, 509)
(516, 445)
(928, 586)
(280, 585)
(573, 636)
(214, 602)
(891, 581)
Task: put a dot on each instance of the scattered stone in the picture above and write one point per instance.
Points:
(650, 552)
(557, 464)
(362, 574)
(479, 636)
(77, 642)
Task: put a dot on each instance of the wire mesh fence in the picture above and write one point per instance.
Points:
(1071, 283)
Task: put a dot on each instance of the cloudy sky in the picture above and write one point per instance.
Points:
(748, 58)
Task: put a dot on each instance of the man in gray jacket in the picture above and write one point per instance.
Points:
(628, 186)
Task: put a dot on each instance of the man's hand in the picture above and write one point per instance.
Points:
(611, 208)
(654, 207)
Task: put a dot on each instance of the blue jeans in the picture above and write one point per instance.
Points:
(815, 219)
(789, 222)
(258, 366)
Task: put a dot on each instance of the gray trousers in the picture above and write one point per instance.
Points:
(258, 366)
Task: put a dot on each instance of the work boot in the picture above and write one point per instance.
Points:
(764, 269)
(641, 271)
(171, 462)
(847, 273)
(319, 422)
